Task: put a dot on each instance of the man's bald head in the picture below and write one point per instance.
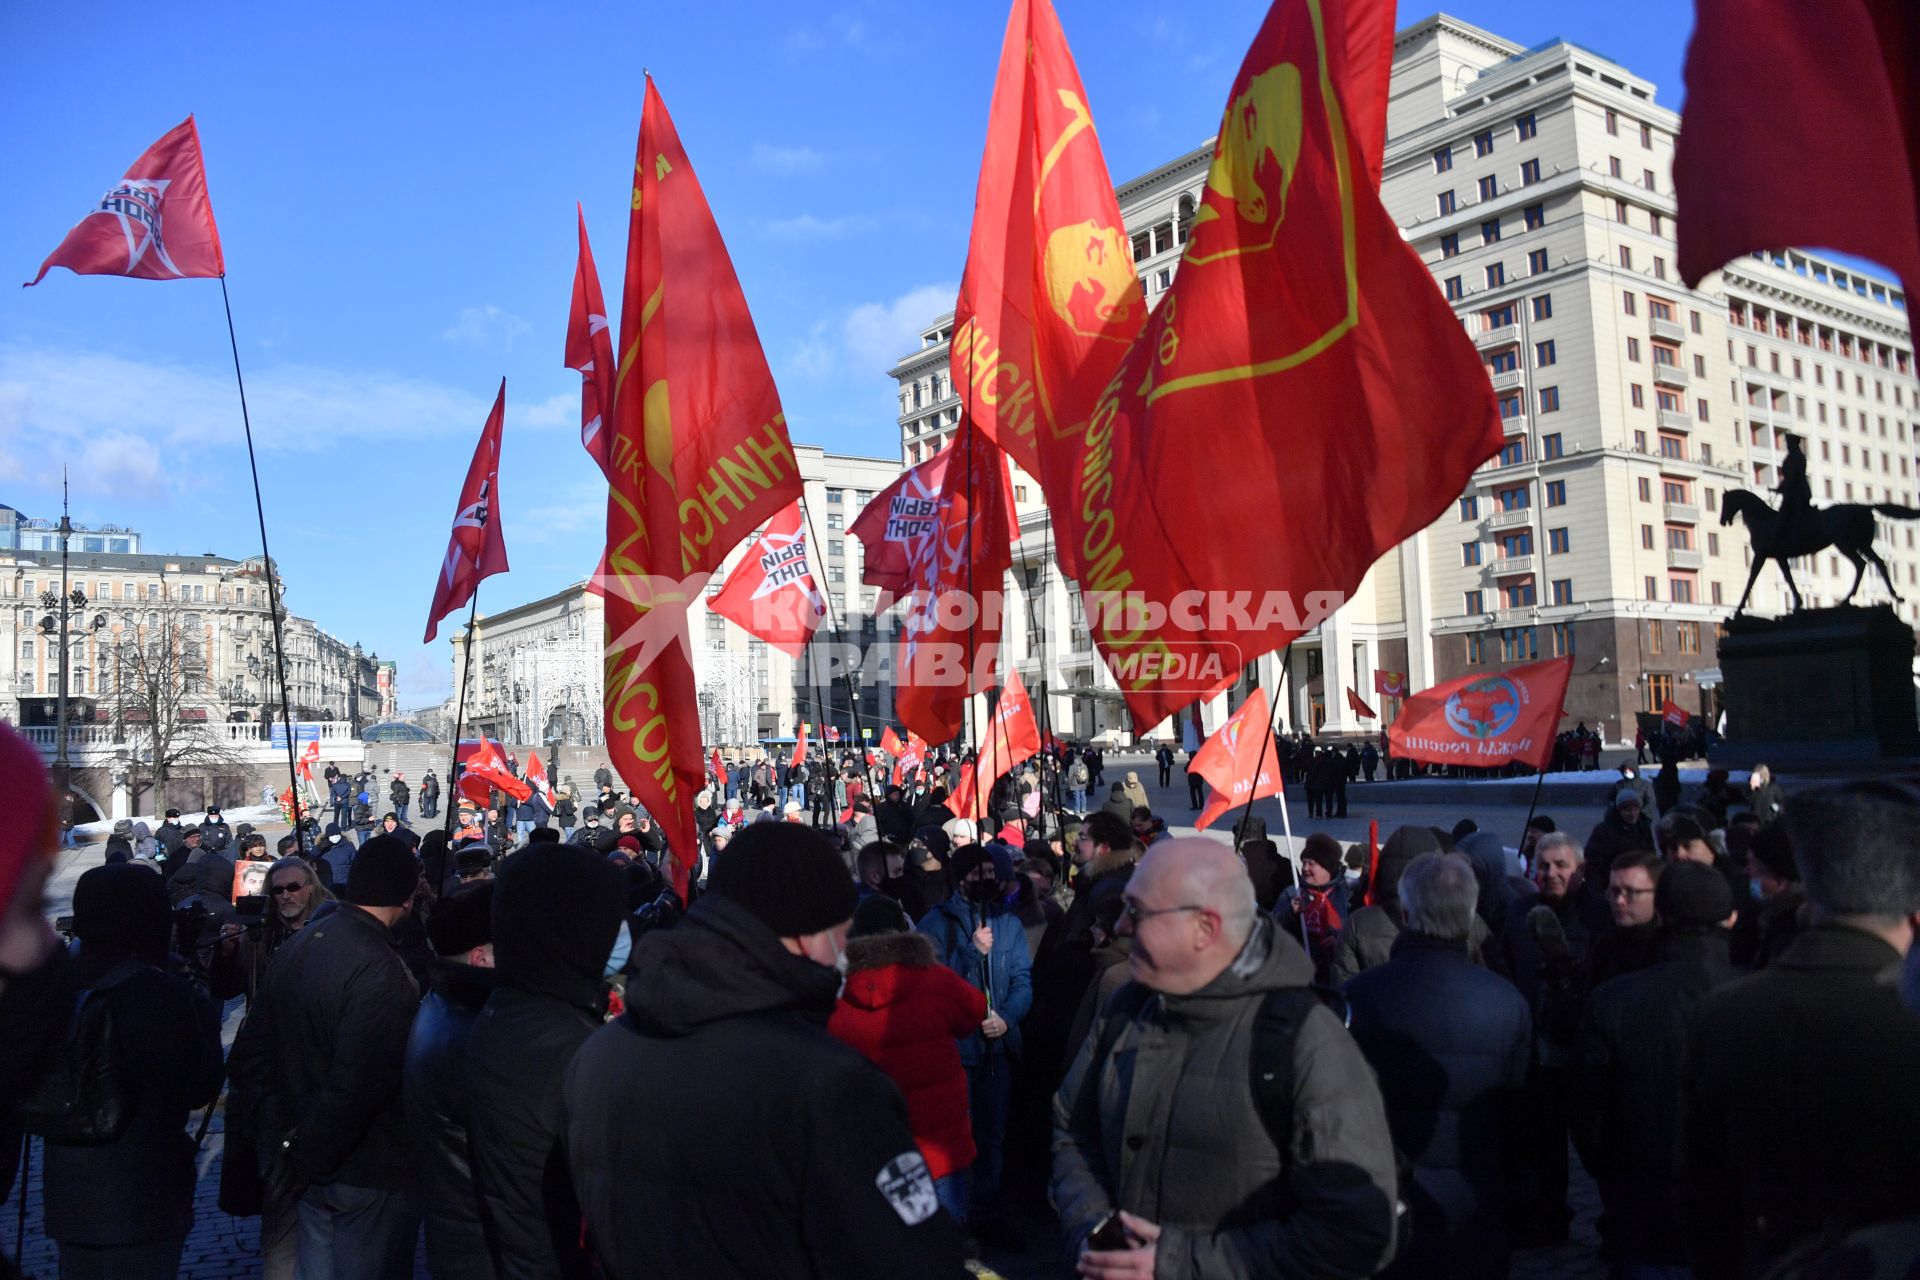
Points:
(1191, 908)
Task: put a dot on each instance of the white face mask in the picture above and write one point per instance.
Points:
(840, 967)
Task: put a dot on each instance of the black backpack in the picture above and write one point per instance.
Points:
(81, 1101)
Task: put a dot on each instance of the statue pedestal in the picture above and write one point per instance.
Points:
(1819, 687)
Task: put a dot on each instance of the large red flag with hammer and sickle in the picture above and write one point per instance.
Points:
(156, 223)
(1486, 720)
(476, 548)
(1238, 761)
(1303, 360)
(698, 458)
(1049, 301)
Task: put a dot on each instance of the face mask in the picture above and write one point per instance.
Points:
(622, 950)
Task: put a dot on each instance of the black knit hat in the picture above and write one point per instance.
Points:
(384, 873)
(787, 877)
(462, 921)
(1772, 848)
(1692, 895)
(879, 914)
(1325, 850)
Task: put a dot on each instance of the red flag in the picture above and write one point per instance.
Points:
(1049, 301)
(890, 743)
(537, 774)
(476, 548)
(1671, 712)
(1321, 359)
(1010, 736)
(1390, 684)
(154, 224)
(951, 631)
(910, 759)
(1850, 73)
(699, 456)
(718, 767)
(307, 758)
(1360, 708)
(772, 592)
(590, 349)
(833, 733)
(799, 747)
(1231, 760)
(488, 765)
(1486, 720)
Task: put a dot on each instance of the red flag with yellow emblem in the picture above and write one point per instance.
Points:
(1049, 301)
(1238, 763)
(1303, 360)
(699, 457)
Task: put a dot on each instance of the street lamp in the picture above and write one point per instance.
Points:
(68, 599)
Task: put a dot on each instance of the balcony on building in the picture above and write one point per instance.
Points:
(1669, 330)
(1515, 617)
(1754, 375)
(1766, 415)
(1683, 558)
(1518, 516)
(1670, 375)
(1505, 336)
(1511, 566)
(1676, 420)
(1680, 513)
(1509, 379)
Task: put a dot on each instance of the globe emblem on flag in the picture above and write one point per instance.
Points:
(1484, 708)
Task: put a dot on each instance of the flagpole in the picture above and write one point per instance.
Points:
(1266, 743)
(839, 634)
(273, 587)
(460, 713)
(1540, 780)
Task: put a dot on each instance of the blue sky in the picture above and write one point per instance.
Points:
(395, 188)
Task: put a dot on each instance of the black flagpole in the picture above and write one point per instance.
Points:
(460, 713)
(273, 588)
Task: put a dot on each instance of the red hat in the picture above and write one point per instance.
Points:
(28, 833)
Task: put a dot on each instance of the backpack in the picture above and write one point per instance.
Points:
(1270, 1063)
(81, 1101)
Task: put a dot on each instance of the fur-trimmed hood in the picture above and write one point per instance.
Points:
(1111, 860)
(914, 950)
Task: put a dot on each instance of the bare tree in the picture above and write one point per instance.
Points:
(154, 666)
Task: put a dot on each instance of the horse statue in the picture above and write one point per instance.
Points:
(1848, 528)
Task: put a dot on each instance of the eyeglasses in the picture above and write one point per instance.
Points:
(1135, 913)
(279, 889)
(1623, 891)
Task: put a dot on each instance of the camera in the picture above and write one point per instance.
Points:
(250, 910)
(63, 925)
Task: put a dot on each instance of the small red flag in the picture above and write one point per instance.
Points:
(1011, 735)
(1232, 760)
(488, 765)
(1359, 706)
(1673, 713)
(719, 767)
(799, 748)
(476, 548)
(890, 743)
(1486, 720)
(1750, 181)
(910, 760)
(1390, 684)
(699, 458)
(156, 223)
(307, 759)
(590, 350)
(772, 592)
(537, 774)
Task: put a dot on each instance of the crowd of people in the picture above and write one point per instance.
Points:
(873, 1037)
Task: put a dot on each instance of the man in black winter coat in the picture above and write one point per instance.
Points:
(1802, 1118)
(692, 1156)
(439, 1112)
(317, 1071)
(557, 914)
(1624, 829)
(1628, 1092)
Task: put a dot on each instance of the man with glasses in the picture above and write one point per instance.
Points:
(1164, 1162)
(294, 893)
(1628, 945)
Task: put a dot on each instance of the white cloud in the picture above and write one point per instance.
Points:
(807, 227)
(869, 338)
(772, 159)
(487, 326)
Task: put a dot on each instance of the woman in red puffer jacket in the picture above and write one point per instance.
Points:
(907, 1013)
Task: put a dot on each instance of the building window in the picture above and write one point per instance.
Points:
(1713, 544)
(1613, 122)
(1543, 353)
(1474, 602)
(1483, 143)
(1019, 493)
(1518, 644)
(1556, 493)
(1626, 258)
(1560, 634)
(1638, 394)
(1646, 179)
(1653, 222)
(1518, 595)
(1506, 361)
(1689, 637)
(1470, 507)
(1659, 690)
(1682, 589)
(1646, 136)
(1449, 245)
(1515, 498)
(835, 520)
(1646, 537)
(1652, 588)
(1620, 212)
(1549, 399)
(1529, 172)
(1489, 187)
(1476, 645)
(1543, 307)
(1550, 444)
(1447, 202)
(1510, 405)
(1513, 452)
(1716, 594)
(1496, 275)
(1516, 544)
(1627, 302)
(1613, 169)
(1490, 231)
(1534, 216)
(1673, 446)
(1454, 290)
(1646, 485)
(1633, 348)
(1557, 541)
(1562, 594)
(1443, 159)
(1525, 127)
(1537, 262)
(1469, 554)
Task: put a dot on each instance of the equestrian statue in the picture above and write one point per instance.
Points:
(1799, 528)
